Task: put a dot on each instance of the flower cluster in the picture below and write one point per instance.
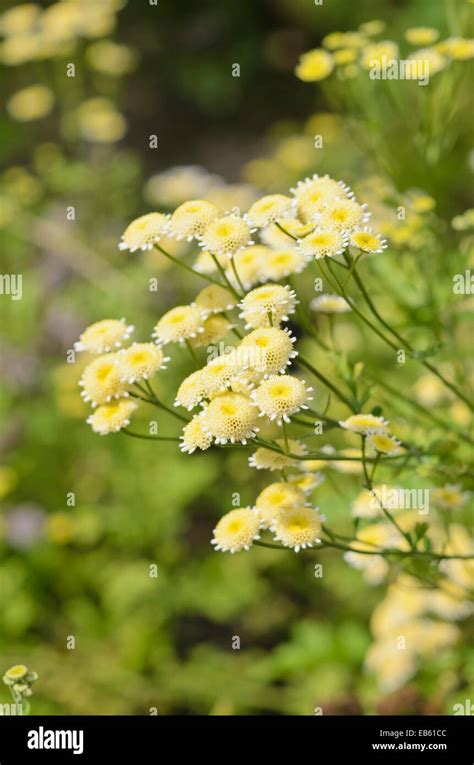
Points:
(245, 386)
(352, 52)
(20, 681)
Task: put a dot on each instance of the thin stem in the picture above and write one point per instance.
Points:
(147, 437)
(185, 266)
(236, 274)
(327, 383)
(224, 276)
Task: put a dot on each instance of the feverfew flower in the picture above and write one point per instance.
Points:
(330, 304)
(231, 417)
(383, 444)
(281, 263)
(450, 497)
(236, 530)
(268, 350)
(314, 65)
(103, 336)
(267, 305)
(344, 215)
(269, 209)
(367, 242)
(218, 374)
(101, 382)
(215, 299)
(307, 482)
(421, 35)
(297, 528)
(191, 391)
(280, 396)
(110, 418)
(140, 361)
(214, 329)
(248, 264)
(322, 243)
(227, 235)
(194, 436)
(267, 459)
(364, 423)
(190, 220)
(275, 497)
(179, 324)
(143, 232)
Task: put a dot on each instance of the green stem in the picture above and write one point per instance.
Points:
(327, 383)
(186, 267)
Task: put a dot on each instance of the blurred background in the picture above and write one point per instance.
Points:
(83, 517)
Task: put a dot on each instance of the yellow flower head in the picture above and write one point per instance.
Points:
(368, 242)
(383, 444)
(268, 209)
(425, 61)
(372, 28)
(143, 232)
(344, 215)
(110, 58)
(322, 243)
(297, 528)
(267, 350)
(277, 264)
(236, 530)
(100, 381)
(100, 122)
(191, 391)
(330, 304)
(364, 423)
(345, 56)
(314, 65)
(314, 193)
(274, 237)
(19, 20)
(231, 417)
(194, 436)
(215, 328)
(450, 497)
(110, 418)
(190, 220)
(31, 103)
(307, 482)
(457, 48)
(267, 305)
(15, 673)
(267, 459)
(179, 324)
(214, 299)
(280, 396)
(218, 374)
(227, 235)
(378, 53)
(103, 336)
(421, 35)
(279, 496)
(334, 40)
(140, 361)
(248, 264)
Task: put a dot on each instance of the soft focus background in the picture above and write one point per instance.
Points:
(84, 142)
